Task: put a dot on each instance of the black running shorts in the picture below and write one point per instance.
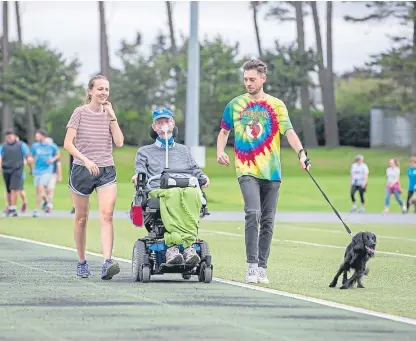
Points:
(13, 181)
(83, 183)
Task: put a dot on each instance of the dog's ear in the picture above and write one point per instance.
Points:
(358, 241)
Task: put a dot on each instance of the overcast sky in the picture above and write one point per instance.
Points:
(72, 28)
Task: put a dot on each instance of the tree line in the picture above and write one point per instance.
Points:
(38, 84)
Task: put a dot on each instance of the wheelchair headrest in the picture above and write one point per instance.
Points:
(154, 135)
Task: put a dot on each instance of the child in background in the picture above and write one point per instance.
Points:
(358, 181)
(393, 186)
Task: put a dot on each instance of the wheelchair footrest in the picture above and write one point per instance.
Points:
(175, 268)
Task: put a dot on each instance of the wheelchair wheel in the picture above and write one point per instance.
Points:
(205, 274)
(139, 253)
(205, 249)
(186, 276)
(145, 274)
(208, 275)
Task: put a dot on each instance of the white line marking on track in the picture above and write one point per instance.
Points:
(296, 227)
(306, 243)
(248, 286)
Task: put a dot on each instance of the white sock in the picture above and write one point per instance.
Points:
(253, 265)
(12, 208)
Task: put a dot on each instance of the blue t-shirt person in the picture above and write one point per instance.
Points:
(411, 173)
(42, 154)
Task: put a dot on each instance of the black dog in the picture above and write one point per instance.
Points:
(357, 254)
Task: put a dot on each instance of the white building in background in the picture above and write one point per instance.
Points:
(390, 128)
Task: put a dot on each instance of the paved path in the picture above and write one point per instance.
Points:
(289, 217)
(41, 299)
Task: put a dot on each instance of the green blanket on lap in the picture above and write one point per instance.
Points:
(180, 211)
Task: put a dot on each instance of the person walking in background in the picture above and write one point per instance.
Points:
(358, 182)
(12, 155)
(411, 174)
(56, 177)
(21, 192)
(45, 155)
(393, 186)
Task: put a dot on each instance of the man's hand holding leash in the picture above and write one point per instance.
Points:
(304, 160)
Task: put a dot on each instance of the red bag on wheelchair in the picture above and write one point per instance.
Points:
(136, 212)
(136, 208)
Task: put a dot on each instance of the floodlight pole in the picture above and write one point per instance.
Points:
(192, 90)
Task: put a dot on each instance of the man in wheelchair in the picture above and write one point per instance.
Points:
(180, 207)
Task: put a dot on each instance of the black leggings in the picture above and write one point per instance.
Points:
(409, 195)
(360, 190)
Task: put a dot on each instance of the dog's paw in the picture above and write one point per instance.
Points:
(332, 285)
(360, 286)
(344, 287)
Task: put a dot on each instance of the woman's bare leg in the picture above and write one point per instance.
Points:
(81, 204)
(106, 201)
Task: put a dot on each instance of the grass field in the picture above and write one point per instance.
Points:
(298, 193)
(294, 265)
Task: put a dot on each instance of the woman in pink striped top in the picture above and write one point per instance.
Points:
(91, 131)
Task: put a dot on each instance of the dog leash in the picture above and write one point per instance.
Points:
(333, 208)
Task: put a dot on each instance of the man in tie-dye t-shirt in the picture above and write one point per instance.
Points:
(257, 127)
(258, 120)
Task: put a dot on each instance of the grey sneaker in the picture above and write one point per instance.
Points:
(82, 269)
(262, 276)
(362, 210)
(190, 256)
(251, 275)
(173, 256)
(109, 269)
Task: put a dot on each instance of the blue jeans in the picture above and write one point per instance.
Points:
(396, 196)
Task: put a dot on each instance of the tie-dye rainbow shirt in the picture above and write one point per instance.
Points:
(257, 124)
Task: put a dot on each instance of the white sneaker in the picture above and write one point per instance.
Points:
(262, 276)
(251, 275)
(173, 256)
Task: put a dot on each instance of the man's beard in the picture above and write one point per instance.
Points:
(254, 92)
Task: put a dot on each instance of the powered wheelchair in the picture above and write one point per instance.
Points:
(149, 252)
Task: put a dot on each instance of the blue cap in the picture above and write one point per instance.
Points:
(162, 113)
